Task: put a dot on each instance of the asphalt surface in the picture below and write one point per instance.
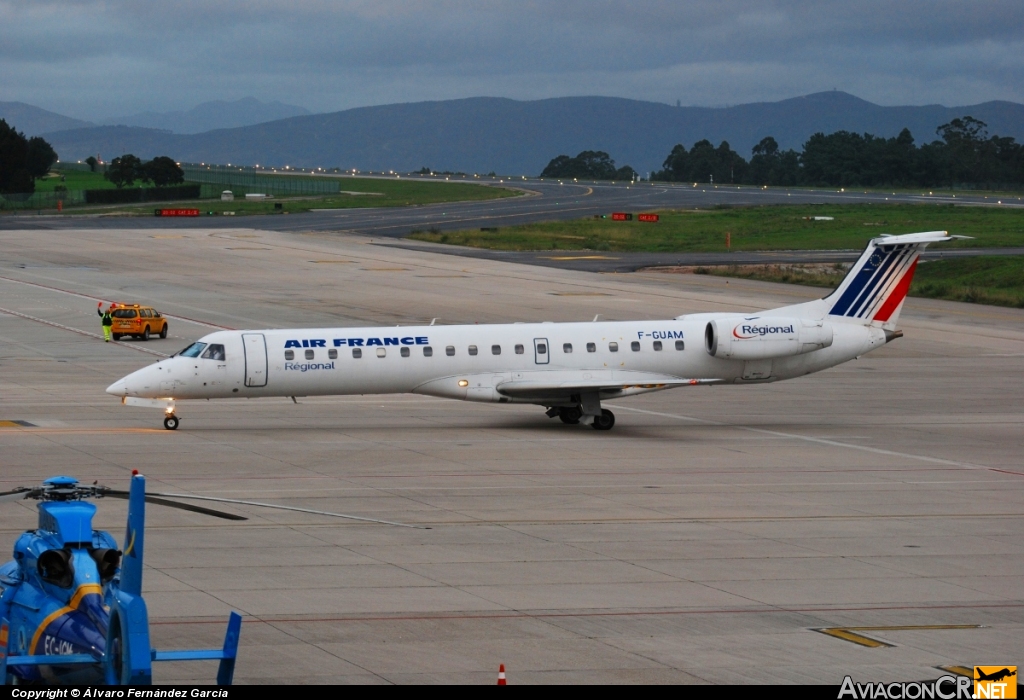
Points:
(546, 201)
(592, 261)
(543, 201)
(709, 537)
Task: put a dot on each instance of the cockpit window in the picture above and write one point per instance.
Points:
(192, 350)
(214, 352)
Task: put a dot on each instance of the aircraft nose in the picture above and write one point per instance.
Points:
(118, 388)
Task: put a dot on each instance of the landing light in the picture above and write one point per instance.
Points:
(463, 382)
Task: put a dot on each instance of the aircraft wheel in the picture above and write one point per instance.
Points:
(171, 422)
(145, 334)
(163, 332)
(605, 421)
(570, 416)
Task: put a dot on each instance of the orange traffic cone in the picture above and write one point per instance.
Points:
(501, 674)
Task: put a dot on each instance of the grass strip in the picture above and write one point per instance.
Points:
(771, 227)
(996, 280)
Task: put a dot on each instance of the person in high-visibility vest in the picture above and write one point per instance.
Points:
(107, 319)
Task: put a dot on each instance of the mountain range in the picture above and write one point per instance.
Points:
(218, 114)
(513, 137)
(212, 115)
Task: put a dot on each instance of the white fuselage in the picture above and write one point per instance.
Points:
(491, 363)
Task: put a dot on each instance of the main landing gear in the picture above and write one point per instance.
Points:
(573, 415)
(171, 421)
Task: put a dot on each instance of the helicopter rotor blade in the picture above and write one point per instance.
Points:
(174, 504)
(292, 508)
(18, 494)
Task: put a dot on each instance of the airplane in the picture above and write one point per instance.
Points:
(996, 676)
(568, 368)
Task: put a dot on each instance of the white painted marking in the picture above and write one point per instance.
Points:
(806, 438)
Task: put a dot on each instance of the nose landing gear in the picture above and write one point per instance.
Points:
(171, 421)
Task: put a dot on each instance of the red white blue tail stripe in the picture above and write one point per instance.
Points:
(879, 281)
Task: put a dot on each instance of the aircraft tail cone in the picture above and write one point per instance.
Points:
(501, 674)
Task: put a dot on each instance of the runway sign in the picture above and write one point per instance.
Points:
(176, 212)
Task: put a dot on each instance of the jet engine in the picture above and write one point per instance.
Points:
(764, 338)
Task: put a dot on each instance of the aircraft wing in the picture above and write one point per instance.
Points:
(560, 384)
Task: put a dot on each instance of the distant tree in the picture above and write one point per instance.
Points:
(676, 167)
(703, 163)
(163, 171)
(124, 170)
(423, 171)
(15, 173)
(591, 165)
(770, 166)
(965, 155)
(40, 157)
(626, 173)
(557, 166)
(92, 163)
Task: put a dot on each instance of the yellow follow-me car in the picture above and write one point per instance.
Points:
(140, 321)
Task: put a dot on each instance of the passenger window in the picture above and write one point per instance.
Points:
(450, 351)
(381, 352)
(635, 346)
(657, 345)
(613, 347)
(679, 345)
(145, 313)
(519, 349)
(541, 348)
(495, 349)
(332, 354)
(357, 353)
(404, 352)
(310, 354)
(567, 348)
(591, 347)
(289, 354)
(428, 351)
(472, 350)
(214, 352)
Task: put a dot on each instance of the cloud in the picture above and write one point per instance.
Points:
(95, 58)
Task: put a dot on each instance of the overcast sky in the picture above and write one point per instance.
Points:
(92, 59)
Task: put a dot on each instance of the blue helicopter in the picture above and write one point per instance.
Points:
(71, 606)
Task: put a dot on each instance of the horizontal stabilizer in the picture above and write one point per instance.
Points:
(917, 238)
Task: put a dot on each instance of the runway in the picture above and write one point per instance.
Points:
(541, 201)
(709, 538)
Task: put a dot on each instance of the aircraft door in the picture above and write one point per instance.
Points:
(541, 351)
(255, 359)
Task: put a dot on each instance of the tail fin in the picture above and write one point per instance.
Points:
(134, 537)
(874, 289)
